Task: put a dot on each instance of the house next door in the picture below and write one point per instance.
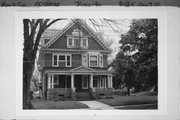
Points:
(81, 83)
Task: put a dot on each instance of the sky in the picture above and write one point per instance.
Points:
(110, 31)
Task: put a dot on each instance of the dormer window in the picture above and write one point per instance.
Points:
(77, 40)
(84, 42)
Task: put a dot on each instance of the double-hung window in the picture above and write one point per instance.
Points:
(93, 61)
(70, 41)
(61, 60)
(68, 61)
(84, 60)
(55, 60)
(84, 42)
(100, 61)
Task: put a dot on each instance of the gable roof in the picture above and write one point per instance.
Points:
(82, 68)
(86, 27)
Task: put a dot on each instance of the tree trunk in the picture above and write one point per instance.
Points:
(128, 90)
(27, 74)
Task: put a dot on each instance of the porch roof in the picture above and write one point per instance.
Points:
(77, 70)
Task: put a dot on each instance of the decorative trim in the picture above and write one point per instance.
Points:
(82, 67)
(70, 24)
(75, 50)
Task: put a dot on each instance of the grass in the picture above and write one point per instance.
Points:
(58, 105)
(129, 100)
(137, 107)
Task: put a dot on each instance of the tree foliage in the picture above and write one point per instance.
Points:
(136, 63)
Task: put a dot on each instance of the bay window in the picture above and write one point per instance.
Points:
(93, 61)
(100, 61)
(84, 60)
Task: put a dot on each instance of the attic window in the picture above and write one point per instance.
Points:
(84, 42)
(70, 41)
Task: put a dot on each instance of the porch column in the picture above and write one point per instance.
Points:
(109, 81)
(52, 78)
(91, 81)
(72, 81)
(49, 78)
(105, 82)
(111, 84)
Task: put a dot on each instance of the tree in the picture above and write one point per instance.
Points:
(33, 30)
(140, 44)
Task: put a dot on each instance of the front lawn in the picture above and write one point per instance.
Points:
(129, 100)
(57, 105)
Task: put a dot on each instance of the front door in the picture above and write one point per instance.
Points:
(81, 83)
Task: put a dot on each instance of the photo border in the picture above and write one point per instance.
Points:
(104, 12)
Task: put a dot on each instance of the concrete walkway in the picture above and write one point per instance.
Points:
(95, 105)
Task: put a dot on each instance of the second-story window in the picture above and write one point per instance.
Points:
(84, 60)
(61, 60)
(55, 60)
(93, 61)
(100, 61)
(68, 60)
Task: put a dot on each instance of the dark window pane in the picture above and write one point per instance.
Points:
(70, 41)
(76, 42)
(61, 57)
(55, 59)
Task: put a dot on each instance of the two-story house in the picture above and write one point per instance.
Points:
(73, 63)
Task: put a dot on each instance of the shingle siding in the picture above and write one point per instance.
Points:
(48, 60)
(76, 60)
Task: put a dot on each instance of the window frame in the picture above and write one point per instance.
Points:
(61, 60)
(86, 63)
(91, 60)
(67, 60)
(86, 39)
(100, 64)
(57, 61)
(68, 41)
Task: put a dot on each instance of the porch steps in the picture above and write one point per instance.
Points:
(82, 96)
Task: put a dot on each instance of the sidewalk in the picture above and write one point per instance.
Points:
(95, 105)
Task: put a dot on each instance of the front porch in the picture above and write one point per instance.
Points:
(61, 87)
(62, 84)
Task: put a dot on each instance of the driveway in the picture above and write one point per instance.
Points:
(95, 105)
